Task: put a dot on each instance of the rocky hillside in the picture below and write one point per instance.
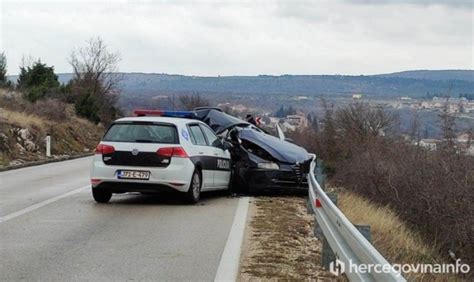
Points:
(24, 126)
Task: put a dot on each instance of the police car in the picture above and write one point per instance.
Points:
(160, 151)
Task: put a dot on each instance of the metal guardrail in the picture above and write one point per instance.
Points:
(349, 246)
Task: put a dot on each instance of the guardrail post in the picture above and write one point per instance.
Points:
(327, 255)
(322, 181)
(319, 174)
(365, 231)
(309, 205)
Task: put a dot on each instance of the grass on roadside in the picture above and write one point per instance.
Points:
(280, 244)
(391, 236)
(23, 120)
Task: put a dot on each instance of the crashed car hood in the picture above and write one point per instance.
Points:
(219, 121)
(281, 150)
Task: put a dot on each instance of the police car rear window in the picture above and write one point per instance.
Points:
(142, 133)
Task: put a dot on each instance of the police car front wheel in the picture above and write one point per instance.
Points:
(194, 191)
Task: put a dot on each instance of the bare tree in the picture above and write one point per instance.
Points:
(190, 102)
(415, 128)
(360, 120)
(27, 61)
(447, 123)
(3, 69)
(96, 76)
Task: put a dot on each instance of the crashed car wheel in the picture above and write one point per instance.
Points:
(194, 191)
(239, 185)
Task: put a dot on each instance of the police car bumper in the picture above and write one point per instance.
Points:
(175, 177)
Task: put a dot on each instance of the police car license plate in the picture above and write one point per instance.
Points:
(133, 174)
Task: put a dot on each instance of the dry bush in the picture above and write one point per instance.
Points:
(51, 109)
(308, 139)
(431, 190)
(190, 102)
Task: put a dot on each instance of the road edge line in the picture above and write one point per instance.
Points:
(43, 162)
(36, 206)
(230, 260)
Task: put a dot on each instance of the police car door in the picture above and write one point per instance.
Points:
(204, 154)
(221, 159)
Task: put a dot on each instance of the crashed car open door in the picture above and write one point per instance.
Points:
(260, 161)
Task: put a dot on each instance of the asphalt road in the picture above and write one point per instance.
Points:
(53, 230)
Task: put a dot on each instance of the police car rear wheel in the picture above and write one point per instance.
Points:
(194, 191)
(101, 196)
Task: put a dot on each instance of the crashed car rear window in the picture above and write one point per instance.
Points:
(142, 133)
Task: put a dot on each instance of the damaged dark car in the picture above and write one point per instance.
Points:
(261, 161)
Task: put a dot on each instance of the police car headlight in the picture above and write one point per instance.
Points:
(268, 166)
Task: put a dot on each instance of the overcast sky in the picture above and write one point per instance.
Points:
(247, 38)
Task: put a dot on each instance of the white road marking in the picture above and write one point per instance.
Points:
(41, 204)
(27, 168)
(229, 265)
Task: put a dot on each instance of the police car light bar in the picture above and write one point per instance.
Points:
(160, 113)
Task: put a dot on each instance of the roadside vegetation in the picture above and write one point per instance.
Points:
(24, 126)
(74, 114)
(432, 191)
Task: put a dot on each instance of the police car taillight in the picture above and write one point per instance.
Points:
(104, 149)
(168, 152)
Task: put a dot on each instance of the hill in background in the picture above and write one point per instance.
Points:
(415, 84)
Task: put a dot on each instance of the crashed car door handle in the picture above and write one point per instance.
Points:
(201, 153)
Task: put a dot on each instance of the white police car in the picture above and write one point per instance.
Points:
(159, 153)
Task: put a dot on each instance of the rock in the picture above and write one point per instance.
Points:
(29, 146)
(24, 134)
(4, 142)
(20, 148)
(10, 95)
(17, 162)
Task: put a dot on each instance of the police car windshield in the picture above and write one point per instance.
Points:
(142, 133)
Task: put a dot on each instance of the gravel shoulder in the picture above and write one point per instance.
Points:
(279, 242)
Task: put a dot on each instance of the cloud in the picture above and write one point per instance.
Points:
(467, 4)
(248, 38)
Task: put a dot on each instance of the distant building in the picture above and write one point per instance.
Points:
(463, 138)
(430, 144)
(297, 120)
(302, 98)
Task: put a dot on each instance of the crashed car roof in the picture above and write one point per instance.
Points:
(282, 151)
(218, 120)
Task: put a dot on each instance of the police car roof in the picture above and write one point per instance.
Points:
(172, 120)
